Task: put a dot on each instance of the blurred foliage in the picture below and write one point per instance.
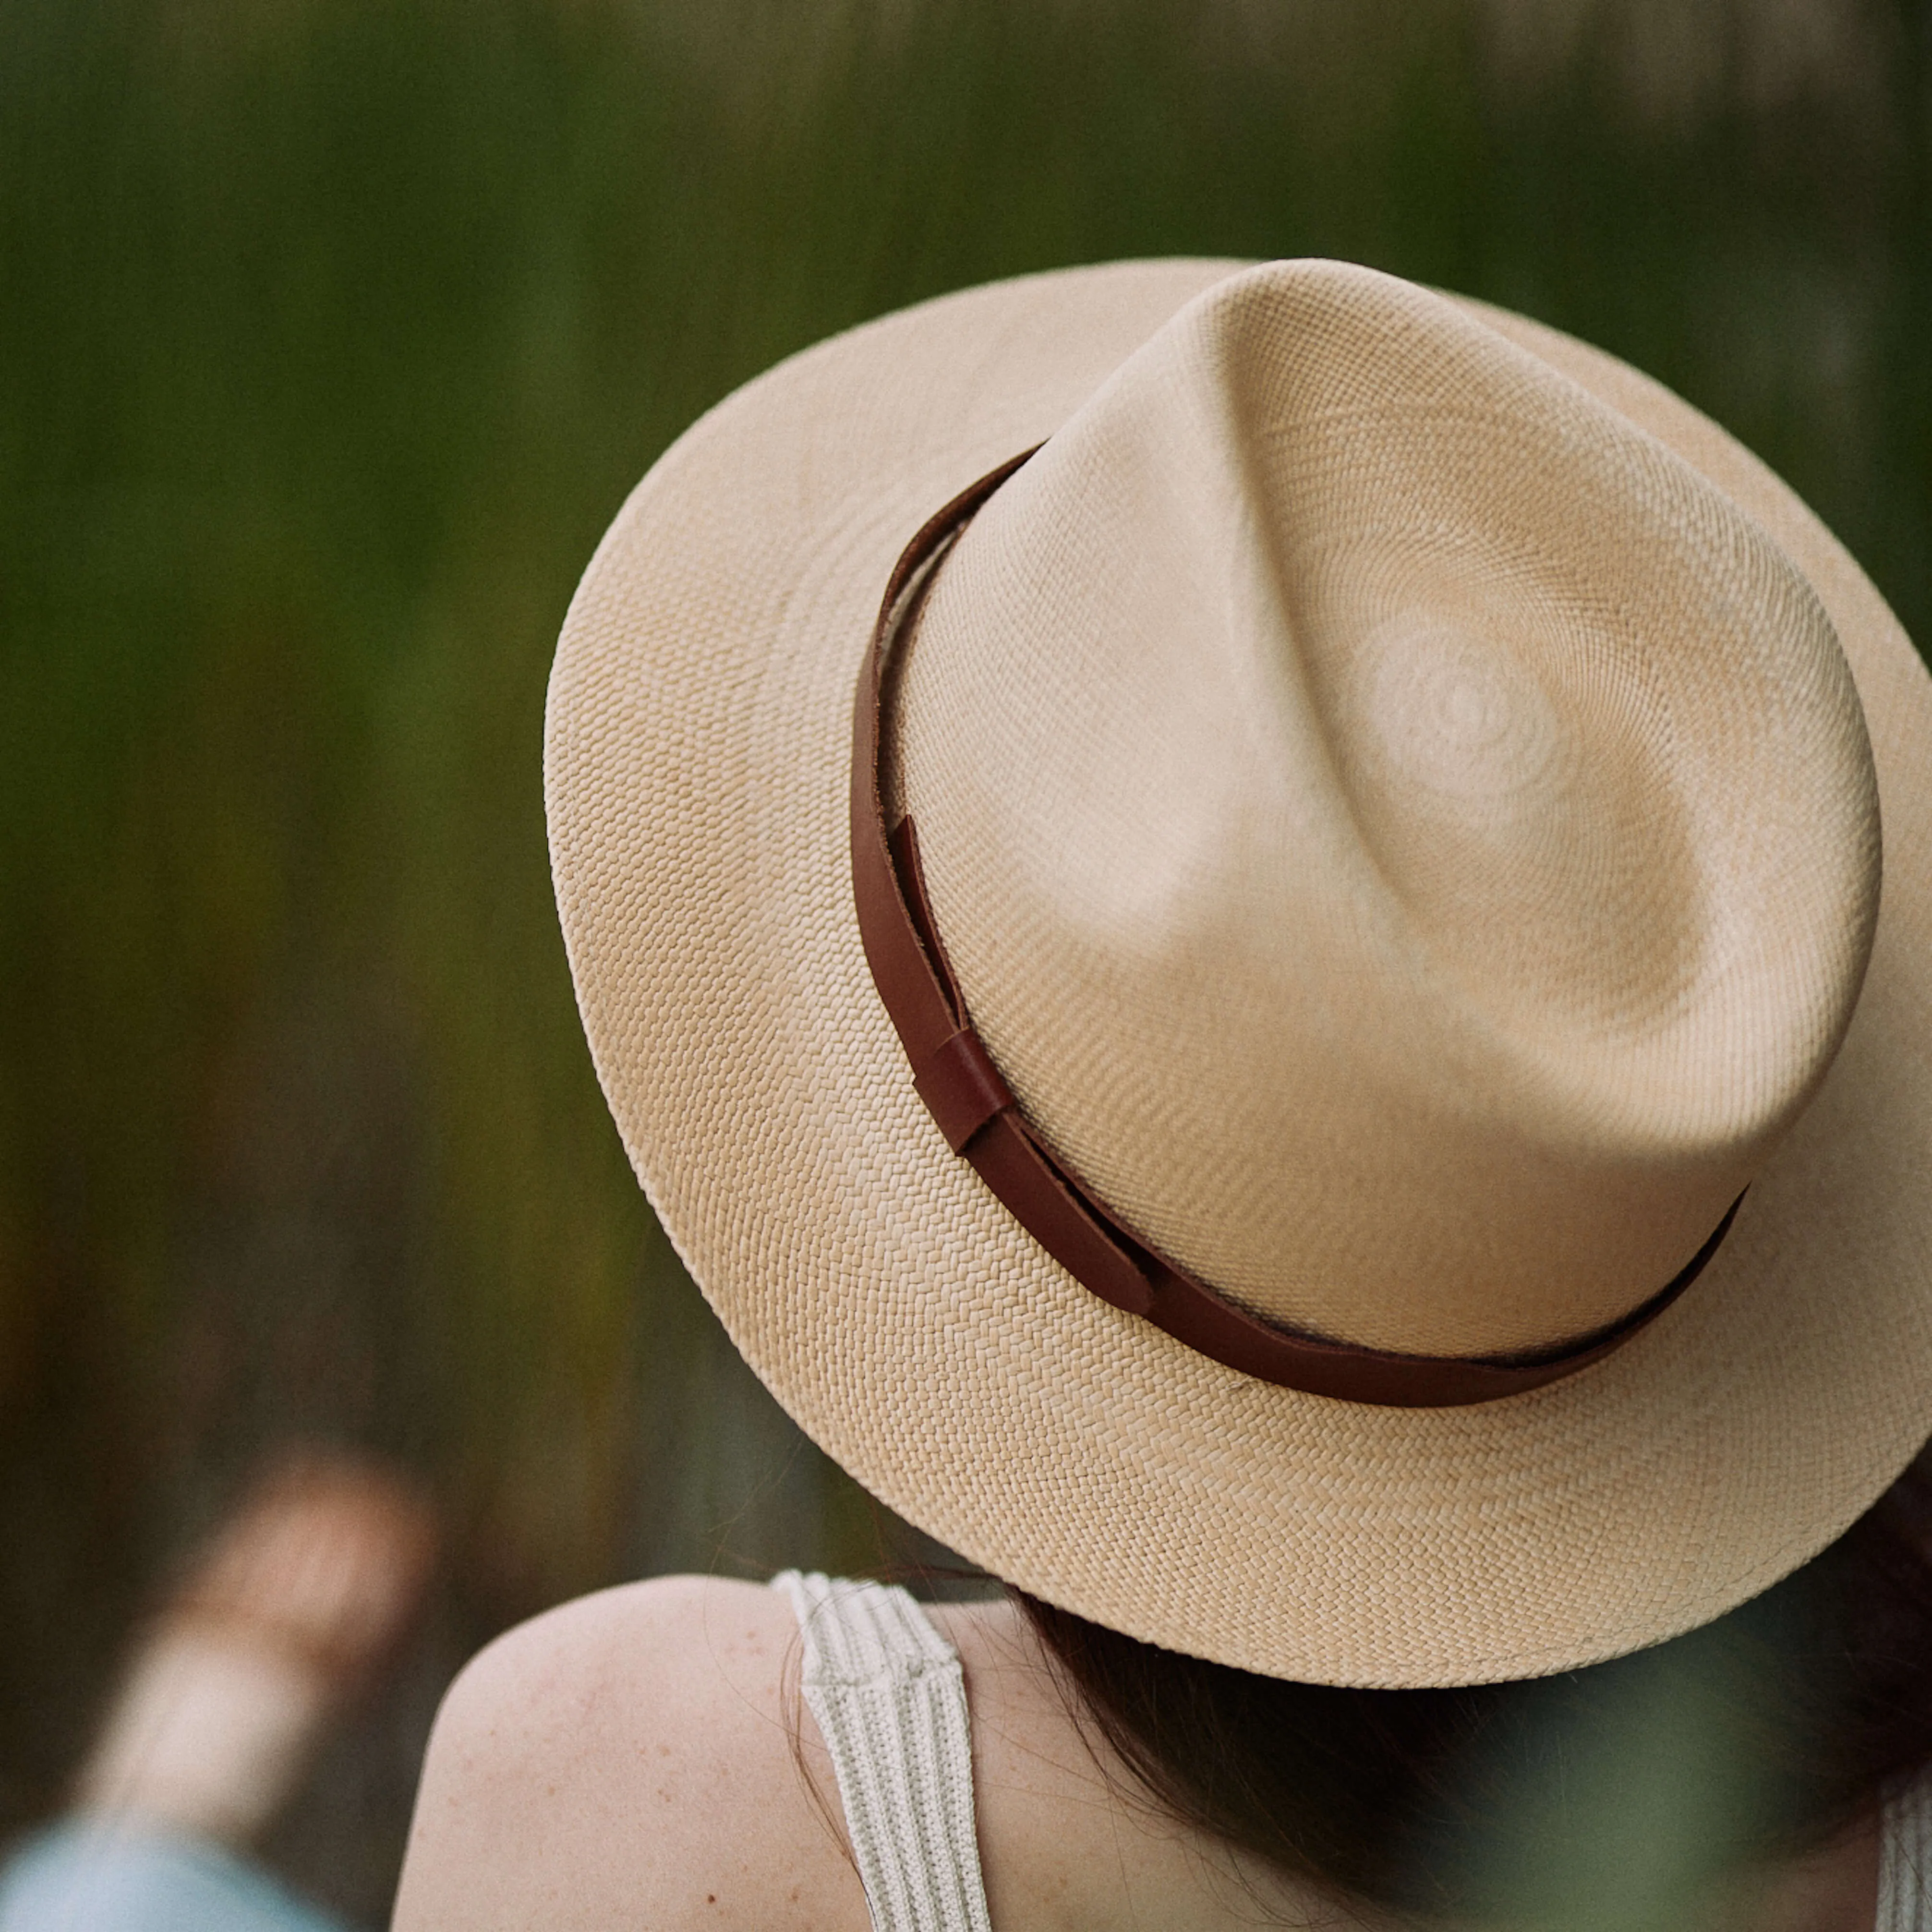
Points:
(332, 333)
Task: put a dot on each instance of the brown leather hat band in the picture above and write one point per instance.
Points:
(963, 1090)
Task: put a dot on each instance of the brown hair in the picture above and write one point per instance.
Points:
(1604, 1795)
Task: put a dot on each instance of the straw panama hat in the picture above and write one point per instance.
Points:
(1398, 792)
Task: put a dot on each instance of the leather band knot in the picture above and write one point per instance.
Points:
(960, 1087)
(964, 1092)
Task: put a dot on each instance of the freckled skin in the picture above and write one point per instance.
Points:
(628, 1761)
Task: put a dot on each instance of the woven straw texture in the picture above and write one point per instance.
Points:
(1412, 845)
(696, 773)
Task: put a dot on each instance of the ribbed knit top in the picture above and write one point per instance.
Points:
(889, 1699)
(1905, 1862)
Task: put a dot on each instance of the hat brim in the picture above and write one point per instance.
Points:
(697, 773)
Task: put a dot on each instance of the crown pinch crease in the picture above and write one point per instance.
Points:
(971, 1103)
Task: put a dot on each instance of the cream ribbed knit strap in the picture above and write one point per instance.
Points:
(889, 1699)
(1905, 1861)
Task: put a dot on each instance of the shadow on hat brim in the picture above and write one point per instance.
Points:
(697, 772)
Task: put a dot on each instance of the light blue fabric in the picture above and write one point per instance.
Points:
(92, 1878)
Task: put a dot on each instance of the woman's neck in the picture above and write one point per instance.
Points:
(1052, 1828)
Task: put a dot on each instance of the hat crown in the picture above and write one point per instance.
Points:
(1410, 843)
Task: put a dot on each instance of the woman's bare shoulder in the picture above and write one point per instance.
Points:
(628, 1759)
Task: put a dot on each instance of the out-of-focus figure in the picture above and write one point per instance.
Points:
(293, 1608)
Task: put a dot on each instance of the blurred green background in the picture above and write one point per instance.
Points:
(332, 333)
